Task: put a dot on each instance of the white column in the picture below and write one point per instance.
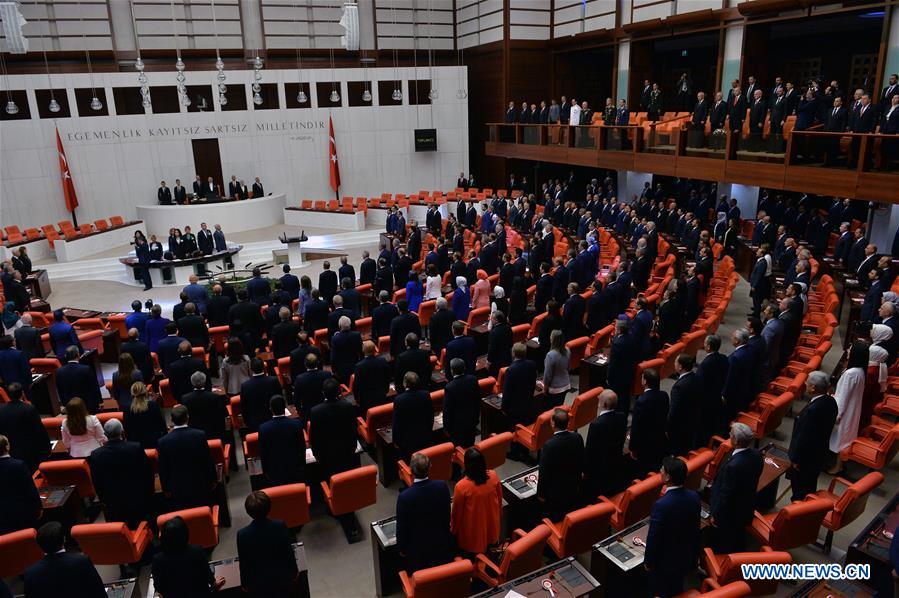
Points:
(884, 220)
(624, 61)
(733, 56)
(892, 57)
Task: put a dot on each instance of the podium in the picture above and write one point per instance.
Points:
(294, 249)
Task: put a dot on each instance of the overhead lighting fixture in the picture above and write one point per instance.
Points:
(180, 77)
(257, 77)
(139, 65)
(219, 63)
(397, 94)
(96, 104)
(54, 106)
(335, 96)
(301, 95)
(11, 107)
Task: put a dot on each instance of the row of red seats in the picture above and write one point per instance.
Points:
(66, 230)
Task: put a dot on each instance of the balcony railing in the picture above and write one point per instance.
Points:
(864, 166)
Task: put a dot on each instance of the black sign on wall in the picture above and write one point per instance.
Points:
(426, 140)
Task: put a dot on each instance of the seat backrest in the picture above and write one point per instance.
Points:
(520, 333)
(441, 456)
(425, 310)
(251, 445)
(378, 417)
(697, 463)
(525, 554)
(476, 317)
(854, 499)
(542, 428)
(535, 324)
(576, 348)
(584, 527)
(486, 385)
(44, 365)
(101, 224)
(731, 569)
(18, 551)
(354, 489)
(797, 524)
(495, 448)
(104, 543)
(116, 220)
(584, 408)
(451, 579)
(363, 326)
(71, 472)
(202, 524)
(637, 500)
(290, 504)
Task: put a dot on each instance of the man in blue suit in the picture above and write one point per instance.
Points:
(259, 289)
(739, 385)
(62, 335)
(623, 359)
(77, 380)
(641, 327)
(21, 503)
(423, 519)
(14, 366)
(759, 281)
(462, 347)
(282, 446)
(622, 115)
(186, 470)
(61, 572)
(137, 319)
(167, 349)
(196, 293)
(289, 282)
(672, 544)
(733, 493)
(218, 238)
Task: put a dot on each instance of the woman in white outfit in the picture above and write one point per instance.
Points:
(433, 284)
(848, 395)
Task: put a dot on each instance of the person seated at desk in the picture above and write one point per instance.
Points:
(372, 379)
(477, 506)
(282, 446)
(461, 405)
(21, 423)
(59, 571)
(81, 432)
(413, 417)
(423, 519)
(62, 335)
(123, 477)
(122, 380)
(181, 569)
(76, 379)
(144, 422)
(265, 549)
(20, 503)
(672, 543)
(186, 470)
(332, 432)
(558, 482)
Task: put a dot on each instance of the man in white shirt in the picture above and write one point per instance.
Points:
(575, 113)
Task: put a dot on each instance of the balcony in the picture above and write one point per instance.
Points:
(862, 166)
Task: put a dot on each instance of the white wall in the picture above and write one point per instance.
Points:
(631, 183)
(747, 197)
(375, 146)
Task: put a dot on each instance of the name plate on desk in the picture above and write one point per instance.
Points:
(385, 531)
(626, 549)
(524, 484)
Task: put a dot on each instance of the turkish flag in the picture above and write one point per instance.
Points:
(68, 185)
(332, 157)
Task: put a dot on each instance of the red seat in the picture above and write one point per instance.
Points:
(534, 436)
(441, 456)
(116, 220)
(375, 418)
(101, 224)
(70, 472)
(697, 463)
(724, 569)
(576, 349)
(18, 551)
(583, 409)
(494, 449)
(202, 524)
(795, 525)
(635, 502)
(521, 557)
(290, 503)
(875, 446)
(580, 529)
(451, 579)
(351, 490)
(112, 543)
(850, 505)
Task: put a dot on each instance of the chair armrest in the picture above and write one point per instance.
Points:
(552, 527)
(215, 516)
(326, 490)
(518, 533)
(838, 480)
(482, 560)
(709, 584)
(406, 581)
(711, 563)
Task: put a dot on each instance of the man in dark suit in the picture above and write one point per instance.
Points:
(182, 369)
(402, 325)
(259, 289)
(198, 186)
(258, 190)
(648, 443)
(499, 343)
(217, 308)
(672, 544)
(28, 338)
(123, 477)
(864, 121)
(463, 347)
(167, 349)
(180, 192)
(372, 379)
(544, 289)
(423, 520)
(382, 316)
(739, 386)
(440, 328)
(315, 317)
(332, 432)
(641, 327)
(717, 113)
(307, 387)
(204, 240)
(282, 446)
(624, 355)
(835, 122)
(164, 194)
(289, 282)
(844, 242)
(256, 394)
(249, 315)
(413, 359)
(857, 252)
(559, 474)
(367, 269)
(757, 112)
(868, 263)
(734, 492)
(346, 270)
(737, 113)
(778, 116)
(327, 282)
(602, 465)
(192, 327)
(712, 375)
(413, 417)
(519, 382)
(759, 282)
(20, 503)
(698, 120)
(352, 300)
(573, 313)
(186, 470)
(809, 445)
(206, 409)
(685, 406)
(268, 566)
(140, 353)
(61, 572)
(346, 350)
(14, 366)
(284, 334)
(74, 379)
(21, 424)
(461, 405)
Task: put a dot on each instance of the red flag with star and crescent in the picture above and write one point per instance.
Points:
(332, 157)
(68, 185)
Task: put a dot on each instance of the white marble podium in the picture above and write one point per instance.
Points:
(234, 216)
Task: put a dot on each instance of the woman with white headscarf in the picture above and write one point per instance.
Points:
(876, 380)
(848, 394)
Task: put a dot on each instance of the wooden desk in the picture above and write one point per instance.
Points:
(38, 284)
(617, 560)
(872, 546)
(44, 395)
(480, 334)
(73, 314)
(568, 577)
(258, 480)
(62, 504)
(593, 371)
(520, 493)
(776, 464)
(385, 556)
(493, 420)
(388, 454)
(835, 589)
